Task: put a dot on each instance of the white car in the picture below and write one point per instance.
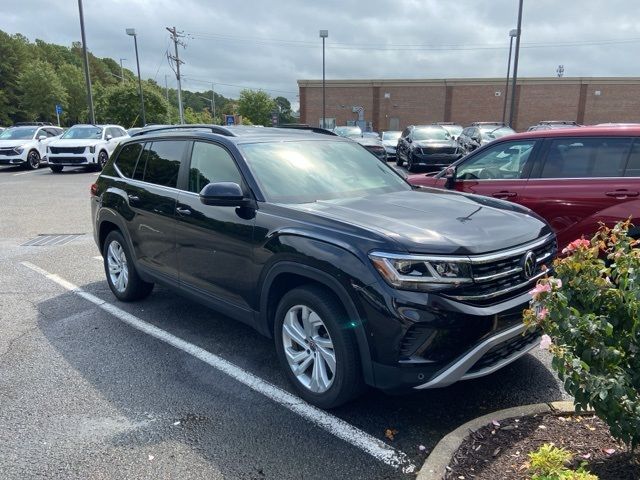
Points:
(27, 145)
(87, 146)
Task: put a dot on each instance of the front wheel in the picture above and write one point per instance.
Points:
(122, 277)
(410, 166)
(399, 161)
(102, 160)
(33, 160)
(319, 355)
(56, 168)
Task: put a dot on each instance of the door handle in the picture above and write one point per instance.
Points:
(621, 194)
(183, 211)
(504, 194)
(133, 198)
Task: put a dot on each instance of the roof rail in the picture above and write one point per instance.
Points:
(33, 124)
(557, 122)
(479, 124)
(195, 126)
(303, 126)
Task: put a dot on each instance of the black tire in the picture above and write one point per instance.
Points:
(103, 158)
(33, 160)
(135, 288)
(347, 380)
(56, 168)
(399, 161)
(410, 166)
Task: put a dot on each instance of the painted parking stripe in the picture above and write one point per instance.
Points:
(334, 425)
(25, 173)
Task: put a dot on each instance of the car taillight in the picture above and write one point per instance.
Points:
(94, 190)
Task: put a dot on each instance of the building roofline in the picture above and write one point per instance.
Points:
(430, 82)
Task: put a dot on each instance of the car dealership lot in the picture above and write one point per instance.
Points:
(84, 394)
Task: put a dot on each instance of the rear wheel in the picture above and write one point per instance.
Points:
(319, 355)
(56, 168)
(122, 277)
(33, 160)
(102, 160)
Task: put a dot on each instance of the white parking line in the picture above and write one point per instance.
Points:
(25, 173)
(334, 425)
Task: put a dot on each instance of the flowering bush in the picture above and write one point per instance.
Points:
(589, 311)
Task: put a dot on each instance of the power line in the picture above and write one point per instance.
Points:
(197, 80)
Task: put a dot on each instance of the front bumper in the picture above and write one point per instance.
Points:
(72, 160)
(12, 158)
(434, 159)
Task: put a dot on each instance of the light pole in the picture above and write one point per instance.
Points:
(132, 32)
(213, 107)
(515, 64)
(85, 56)
(512, 33)
(122, 70)
(323, 34)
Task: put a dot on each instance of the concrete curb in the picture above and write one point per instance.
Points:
(434, 467)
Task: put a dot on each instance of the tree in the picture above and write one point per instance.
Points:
(120, 104)
(284, 110)
(72, 78)
(256, 106)
(41, 91)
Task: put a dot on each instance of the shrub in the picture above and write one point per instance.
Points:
(549, 463)
(589, 311)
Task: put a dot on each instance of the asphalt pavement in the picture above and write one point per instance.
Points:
(164, 388)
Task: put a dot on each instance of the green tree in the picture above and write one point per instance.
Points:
(13, 53)
(72, 78)
(284, 110)
(256, 106)
(41, 91)
(120, 104)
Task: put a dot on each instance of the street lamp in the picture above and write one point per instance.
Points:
(512, 33)
(122, 70)
(323, 34)
(132, 32)
(515, 64)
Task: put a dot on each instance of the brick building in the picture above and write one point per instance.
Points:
(394, 104)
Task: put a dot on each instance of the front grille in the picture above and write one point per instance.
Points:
(74, 160)
(496, 277)
(504, 350)
(7, 151)
(75, 150)
(438, 150)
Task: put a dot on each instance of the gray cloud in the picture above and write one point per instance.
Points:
(271, 44)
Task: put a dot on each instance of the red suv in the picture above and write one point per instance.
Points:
(574, 178)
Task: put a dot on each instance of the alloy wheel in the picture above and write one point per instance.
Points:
(117, 265)
(309, 349)
(34, 160)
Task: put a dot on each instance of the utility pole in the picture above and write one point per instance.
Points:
(515, 65)
(122, 70)
(166, 87)
(175, 36)
(213, 102)
(85, 55)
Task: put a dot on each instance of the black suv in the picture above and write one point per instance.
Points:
(359, 277)
(429, 146)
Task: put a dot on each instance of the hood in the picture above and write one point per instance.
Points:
(75, 142)
(14, 143)
(436, 221)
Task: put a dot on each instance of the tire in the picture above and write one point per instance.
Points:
(399, 161)
(103, 158)
(56, 168)
(410, 166)
(33, 160)
(122, 277)
(324, 335)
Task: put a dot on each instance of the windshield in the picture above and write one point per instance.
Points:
(83, 133)
(492, 133)
(454, 130)
(348, 131)
(431, 134)
(303, 172)
(18, 133)
(391, 135)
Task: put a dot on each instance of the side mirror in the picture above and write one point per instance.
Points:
(224, 194)
(41, 137)
(450, 175)
(109, 137)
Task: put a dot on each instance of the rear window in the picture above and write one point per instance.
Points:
(128, 158)
(586, 158)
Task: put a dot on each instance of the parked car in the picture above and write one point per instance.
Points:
(358, 277)
(428, 146)
(85, 146)
(390, 142)
(553, 124)
(374, 145)
(348, 131)
(453, 128)
(573, 178)
(26, 146)
(481, 133)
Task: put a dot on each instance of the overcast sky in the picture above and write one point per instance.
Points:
(269, 44)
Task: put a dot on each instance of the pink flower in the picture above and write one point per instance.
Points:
(556, 282)
(542, 313)
(576, 244)
(545, 342)
(540, 288)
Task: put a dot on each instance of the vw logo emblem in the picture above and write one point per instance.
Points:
(529, 265)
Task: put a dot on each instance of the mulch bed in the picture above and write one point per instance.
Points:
(499, 450)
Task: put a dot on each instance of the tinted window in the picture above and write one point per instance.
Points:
(211, 163)
(503, 161)
(163, 163)
(126, 161)
(633, 167)
(586, 157)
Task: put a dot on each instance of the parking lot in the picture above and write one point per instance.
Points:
(164, 388)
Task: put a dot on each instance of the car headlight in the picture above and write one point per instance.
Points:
(19, 149)
(48, 150)
(92, 149)
(420, 272)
